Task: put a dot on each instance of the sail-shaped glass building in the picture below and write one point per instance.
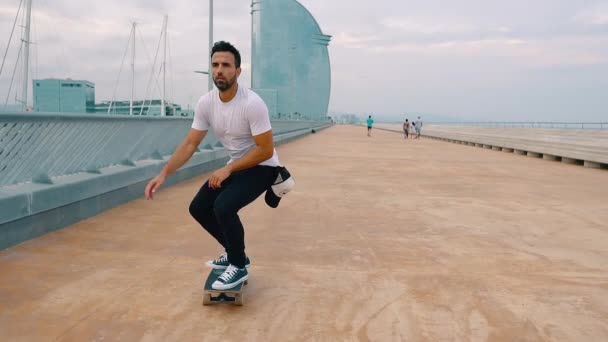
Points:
(290, 60)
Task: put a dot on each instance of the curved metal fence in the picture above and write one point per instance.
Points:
(35, 145)
(528, 124)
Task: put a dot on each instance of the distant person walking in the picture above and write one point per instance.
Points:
(418, 127)
(370, 122)
(406, 129)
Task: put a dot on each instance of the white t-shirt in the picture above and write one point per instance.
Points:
(234, 123)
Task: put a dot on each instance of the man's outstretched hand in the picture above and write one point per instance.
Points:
(153, 185)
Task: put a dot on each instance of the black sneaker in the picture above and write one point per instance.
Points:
(231, 277)
(221, 263)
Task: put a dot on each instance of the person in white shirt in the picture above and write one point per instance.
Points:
(240, 121)
(418, 127)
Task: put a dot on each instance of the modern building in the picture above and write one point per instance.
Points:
(346, 118)
(77, 96)
(152, 107)
(64, 95)
(290, 60)
(11, 108)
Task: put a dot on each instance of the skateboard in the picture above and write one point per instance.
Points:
(232, 296)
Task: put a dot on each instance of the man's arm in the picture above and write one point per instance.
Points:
(263, 150)
(180, 156)
(184, 151)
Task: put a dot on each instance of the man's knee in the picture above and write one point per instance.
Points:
(198, 208)
(194, 208)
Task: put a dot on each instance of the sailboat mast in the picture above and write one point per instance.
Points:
(163, 108)
(26, 54)
(132, 70)
(210, 70)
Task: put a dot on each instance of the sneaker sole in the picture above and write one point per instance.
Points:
(218, 267)
(229, 286)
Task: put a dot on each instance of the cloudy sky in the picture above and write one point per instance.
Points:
(462, 59)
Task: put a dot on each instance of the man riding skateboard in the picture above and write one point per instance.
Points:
(240, 121)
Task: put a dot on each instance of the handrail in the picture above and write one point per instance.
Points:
(39, 146)
(526, 124)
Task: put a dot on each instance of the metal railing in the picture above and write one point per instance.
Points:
(528, 124)
(46, 145)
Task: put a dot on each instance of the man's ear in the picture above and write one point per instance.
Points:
(238, 71)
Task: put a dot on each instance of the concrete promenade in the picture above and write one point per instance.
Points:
(381, 240)
(588, 147)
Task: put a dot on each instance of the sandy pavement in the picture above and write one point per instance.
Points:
(382, 240)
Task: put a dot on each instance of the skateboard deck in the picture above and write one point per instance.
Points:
(231, 296)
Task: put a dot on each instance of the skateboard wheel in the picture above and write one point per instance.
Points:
(207, 299)
(238, 299)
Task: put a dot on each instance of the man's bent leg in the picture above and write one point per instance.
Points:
(243, 188)
(201, 208)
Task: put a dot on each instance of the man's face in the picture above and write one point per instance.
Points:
(225, 72)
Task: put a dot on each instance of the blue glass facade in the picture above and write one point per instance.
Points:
(69, 96)
(290, 60)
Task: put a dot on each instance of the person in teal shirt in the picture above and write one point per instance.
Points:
(370, 122)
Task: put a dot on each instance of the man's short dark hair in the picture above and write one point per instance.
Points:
(223, 46)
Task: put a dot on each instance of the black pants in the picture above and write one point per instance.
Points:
(217, 209)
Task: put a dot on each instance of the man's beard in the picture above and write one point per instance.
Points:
(224, 85)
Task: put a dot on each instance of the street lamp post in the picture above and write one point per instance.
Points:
(208, 72)
(209, 75)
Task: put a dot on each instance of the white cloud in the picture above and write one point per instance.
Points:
(7, 12)
(437, 47)
(350, 40)
(565, 51)
(421, 25)
(596, 15)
